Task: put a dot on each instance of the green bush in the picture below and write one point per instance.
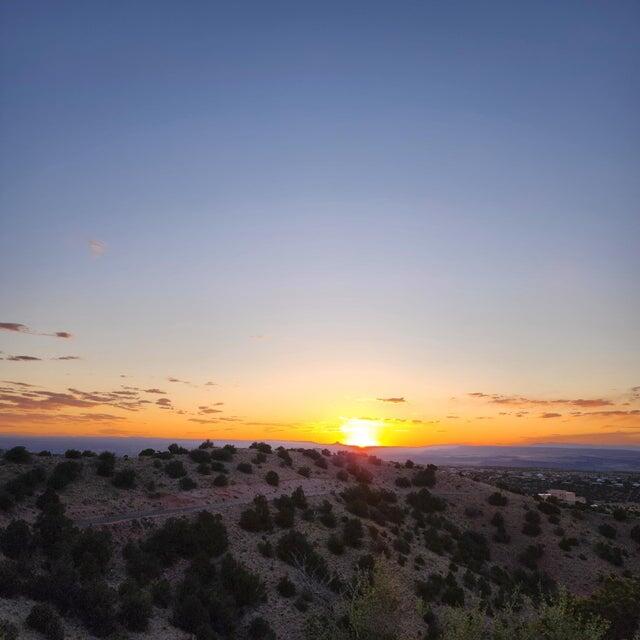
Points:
(220, 480)
(18, 455)
(335, 544)
(16, 539)
(553, 620)
(245, 587)
(161, 593)
(187, 484)
(44, 619)
(8, 630)
(607, 531)
(135, 608)
(425, 477)
(609, 553)
(272, 478)
(352, 532)
(260, 629)
(64, 473)
(175, 469)
(258, 517)
(124, 479)
(244, 467)
(286, 588)
(497, 499)
(295, 549)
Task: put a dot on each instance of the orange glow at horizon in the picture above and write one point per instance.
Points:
(360, 433)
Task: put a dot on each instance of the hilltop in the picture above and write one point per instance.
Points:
(220, 541)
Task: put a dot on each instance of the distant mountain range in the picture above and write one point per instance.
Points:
(579, 458)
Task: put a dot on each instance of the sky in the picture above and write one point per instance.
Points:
(399, 223)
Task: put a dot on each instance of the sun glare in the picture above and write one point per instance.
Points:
(360, 433)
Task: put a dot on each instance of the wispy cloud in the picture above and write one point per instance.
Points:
(67, 358)
(17, 327)
(392, 399)
(523, 401)
(23, 359)
(97, 248)
(158, 391)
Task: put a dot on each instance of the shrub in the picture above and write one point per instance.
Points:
(342, 475)
(607, 531)
(425, 477)
(245, 467)
(260, 629)
(6, 501)
(609, 553)
(305, 472)
(497, 499)
(135, 608)
(16, 539)
(64, 473)
(299, 499)
(175, 469)
(161, 593)
(204, 469)
(265, 549)
(124, 479)
(425, 502)
(473, 550)
(634, 534)
(286, 588)
(73, 454)
(18, 455)
(187, 484)
(620, 514)
(106, 464)
(402, 482)
(285, 456)
(553, 620)
(257, 518)
(335, 544)
(96, 607)
(147, 453)
(497, 520)
(259, 458)
(221, 480)
(44, 619)
(294, 549)
(8, 630)
(93, 547)
(530, 556)
(262, 447)
(200, 455)
(245, 587)
(615, 601)
(272, 478)
(373, 607)
(567, 543)
(352, 532)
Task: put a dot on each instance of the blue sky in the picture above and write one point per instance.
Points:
(318, 202)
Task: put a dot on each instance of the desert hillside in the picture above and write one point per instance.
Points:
(221, 542)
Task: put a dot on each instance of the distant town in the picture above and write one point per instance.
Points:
(596, 488)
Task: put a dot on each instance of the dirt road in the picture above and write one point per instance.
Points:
(219, 500)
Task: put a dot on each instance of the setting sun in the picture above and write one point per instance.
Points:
(360, 433)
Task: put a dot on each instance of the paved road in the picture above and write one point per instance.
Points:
(311, 487)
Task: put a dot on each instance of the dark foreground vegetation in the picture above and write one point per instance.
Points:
(342, 560)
